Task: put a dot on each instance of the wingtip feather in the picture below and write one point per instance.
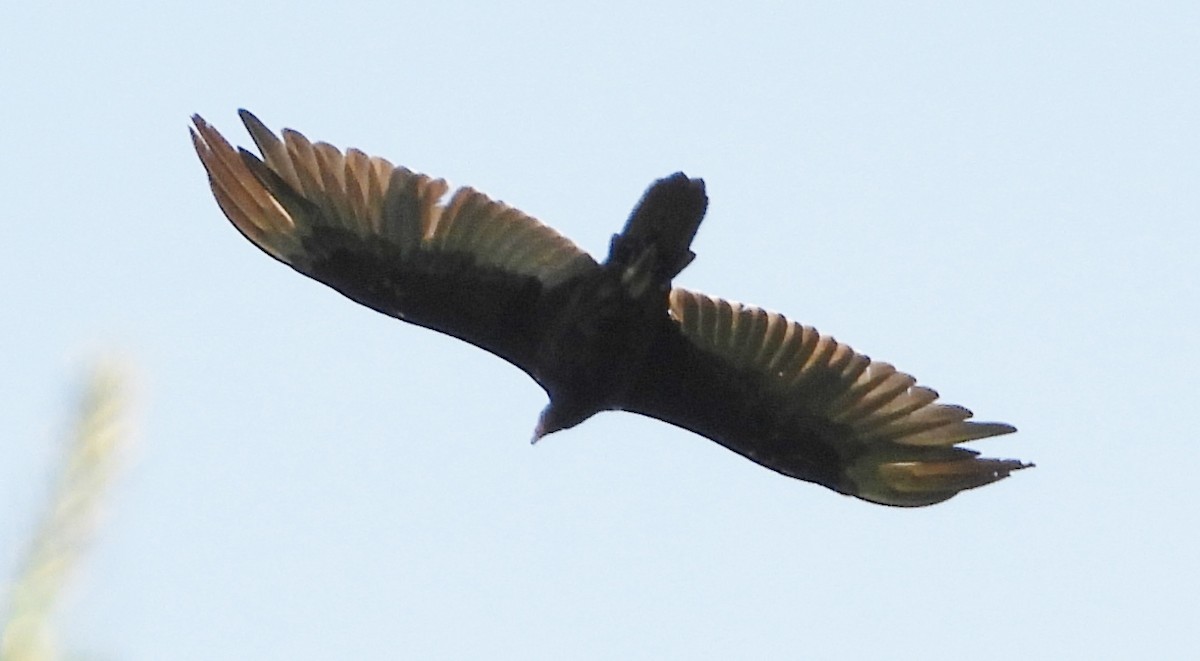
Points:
(919, 482)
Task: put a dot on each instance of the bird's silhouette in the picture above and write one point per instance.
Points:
(599, 336)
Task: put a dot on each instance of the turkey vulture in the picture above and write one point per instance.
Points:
(599, 336)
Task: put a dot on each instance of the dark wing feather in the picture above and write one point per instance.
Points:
(808, 406)
(382, 235)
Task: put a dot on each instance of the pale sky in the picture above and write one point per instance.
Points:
(999, 198)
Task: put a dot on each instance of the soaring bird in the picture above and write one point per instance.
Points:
(599, 336)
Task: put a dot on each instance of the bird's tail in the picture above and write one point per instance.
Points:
(655, 244)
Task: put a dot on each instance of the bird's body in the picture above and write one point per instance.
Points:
(618, 311)
(600, 336)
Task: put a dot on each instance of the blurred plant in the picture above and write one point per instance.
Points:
(90, 460)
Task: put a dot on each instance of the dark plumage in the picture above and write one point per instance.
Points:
(611, 336)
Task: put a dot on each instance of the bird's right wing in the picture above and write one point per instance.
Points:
(383, 236)
(807, 406)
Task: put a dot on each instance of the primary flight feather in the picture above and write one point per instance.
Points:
(599, 336)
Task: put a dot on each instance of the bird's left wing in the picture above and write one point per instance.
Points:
(382, 235)
(807, 406)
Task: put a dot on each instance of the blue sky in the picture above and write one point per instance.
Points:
(999, 198)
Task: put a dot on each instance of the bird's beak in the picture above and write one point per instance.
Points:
(543, 426)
